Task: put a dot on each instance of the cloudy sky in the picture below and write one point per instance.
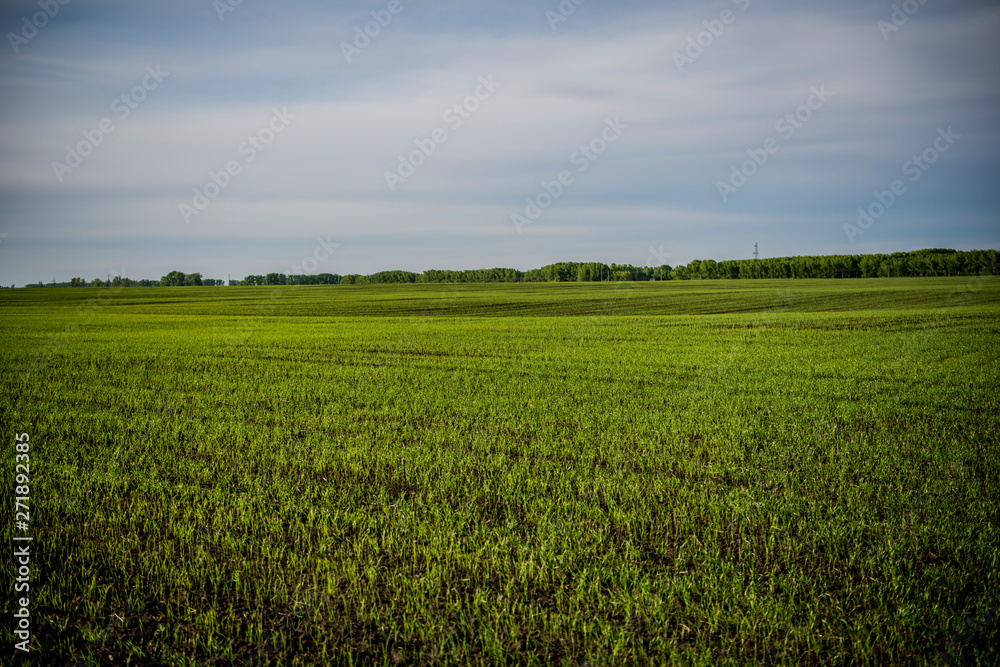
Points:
(234, 137)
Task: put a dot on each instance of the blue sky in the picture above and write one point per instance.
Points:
(643, 109)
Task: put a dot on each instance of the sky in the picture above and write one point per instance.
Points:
(236, 137)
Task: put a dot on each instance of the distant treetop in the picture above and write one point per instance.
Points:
(918, 263)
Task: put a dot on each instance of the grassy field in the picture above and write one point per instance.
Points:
(750, 472)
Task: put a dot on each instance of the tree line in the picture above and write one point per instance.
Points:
(918, 263)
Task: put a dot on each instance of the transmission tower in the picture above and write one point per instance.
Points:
(756, 258)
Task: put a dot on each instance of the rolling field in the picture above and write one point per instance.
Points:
(702, 472)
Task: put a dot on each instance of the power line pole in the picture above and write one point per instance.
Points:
(756, 257)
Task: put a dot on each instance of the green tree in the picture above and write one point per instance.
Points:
(276, 279)
(173, 279)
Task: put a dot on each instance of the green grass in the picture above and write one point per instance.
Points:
(700, 473)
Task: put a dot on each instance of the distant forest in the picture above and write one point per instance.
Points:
(919, 263)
